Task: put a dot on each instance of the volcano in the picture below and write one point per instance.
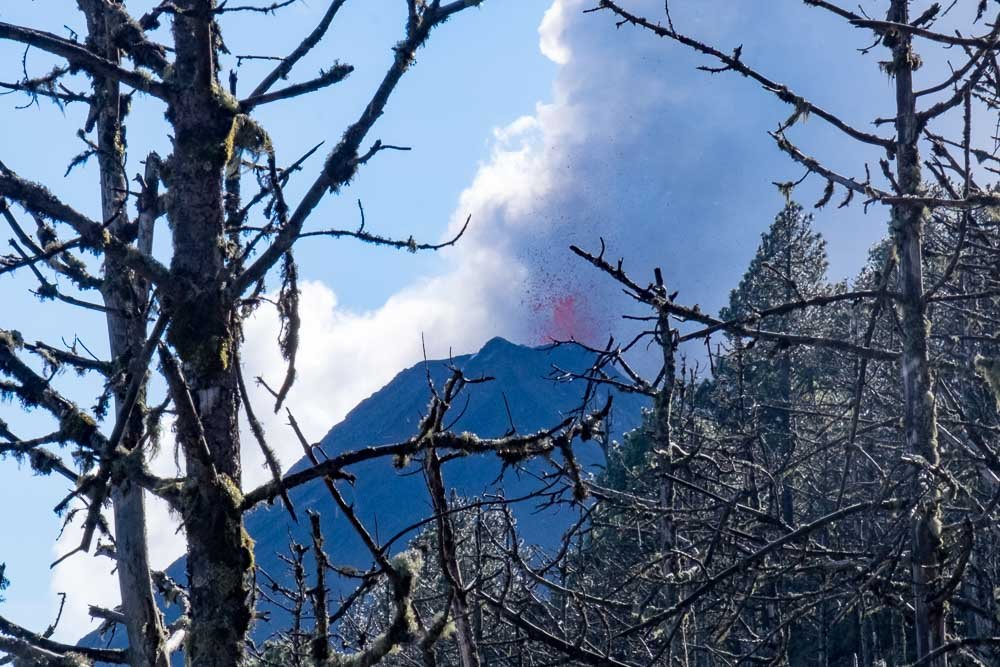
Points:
(389, 499)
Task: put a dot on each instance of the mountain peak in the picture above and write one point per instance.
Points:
(498, 348)
(522, 396)
(497, 342)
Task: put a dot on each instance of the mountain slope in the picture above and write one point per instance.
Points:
(389, 500)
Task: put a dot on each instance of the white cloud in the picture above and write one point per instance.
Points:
(611, 155)
(346, 355)
(90, 580)
(550, 35)
(86, 580)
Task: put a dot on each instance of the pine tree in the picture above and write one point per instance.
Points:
(763, 383)
(790, 263)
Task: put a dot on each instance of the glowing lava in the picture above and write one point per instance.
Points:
(564, 317)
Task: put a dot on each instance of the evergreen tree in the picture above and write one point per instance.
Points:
(764, 384)
(789, 264)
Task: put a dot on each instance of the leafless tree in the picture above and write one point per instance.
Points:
(184, 309)
(743, 523)
(929, 262)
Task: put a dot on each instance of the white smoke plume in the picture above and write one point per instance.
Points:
(670, 166)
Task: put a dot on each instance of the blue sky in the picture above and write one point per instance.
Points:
(548, 126)
(476, 74)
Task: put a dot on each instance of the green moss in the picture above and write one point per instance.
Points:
(409, 563)
(11, 339)
(248, 549)
(199, 335)
(224, 99)
(407, 566)
(449, 630)
(43, 461)
(209, 355)
(229, 147)
(73, 660)
(245, 134)
(207, 141)
(226, 550)
(77, 427)
(232, 489)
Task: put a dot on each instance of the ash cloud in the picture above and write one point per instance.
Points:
(671, 166)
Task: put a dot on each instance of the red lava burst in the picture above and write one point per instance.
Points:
(563, 317)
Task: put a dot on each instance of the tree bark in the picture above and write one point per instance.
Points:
(663, 448)
(465, 637)
(205, 333)
(919, 418)
(125, 296)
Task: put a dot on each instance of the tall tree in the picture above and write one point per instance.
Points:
(185, 304)
(912, 110)
(790, 265)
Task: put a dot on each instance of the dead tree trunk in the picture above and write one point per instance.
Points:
(205, 334)
(126, 298)
(664, 456)
(199, 301)
(919, 417)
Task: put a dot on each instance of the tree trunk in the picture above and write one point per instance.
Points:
(205, 334)
(662, 446)
(125, 296)
(465, 638)
(783, 415)
(919, 420)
